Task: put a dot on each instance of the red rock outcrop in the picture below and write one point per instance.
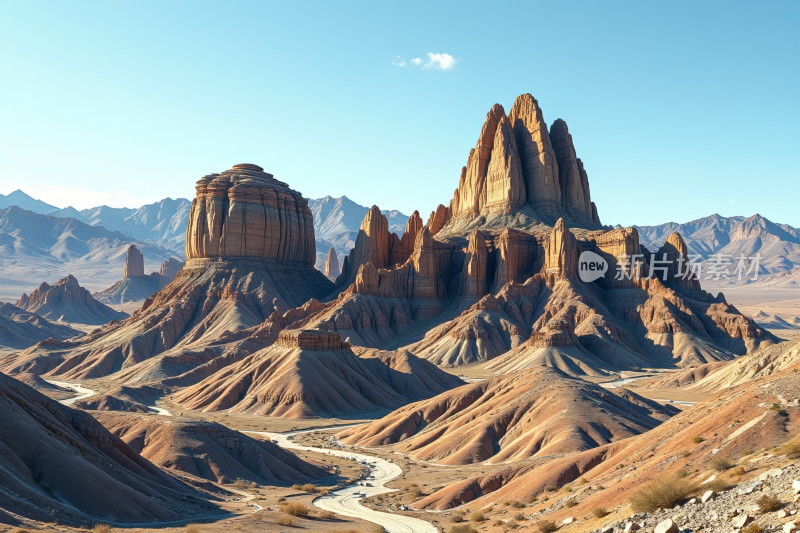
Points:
(475, 265)
(438, 219)
(245, 212)
(134, 263)
(572, 177)
(539, 163)
(515, 257)
(332, 265)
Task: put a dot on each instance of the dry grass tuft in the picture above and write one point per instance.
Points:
(718, 485)
(308, 487)
(599, 512)
(582, 481)
(477, 516)
(102, 528)
(753, 528)
(456, 519)
(517, 505)
(519, 516)
(285, 521)
(327, 515)
(192, 528)
(550, 488)
(662, 493)
(791, 448)
(570, 503)
(463, 529)
(768, 503)
(698, 439)
(546, 526)
(295, 509)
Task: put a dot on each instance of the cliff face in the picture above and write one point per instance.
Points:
(245, 212)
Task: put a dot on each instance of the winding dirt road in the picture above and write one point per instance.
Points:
(347, 501)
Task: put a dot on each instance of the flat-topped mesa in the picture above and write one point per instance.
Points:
(332, 265)
(134, 263)
(245, 212)
(309, 339)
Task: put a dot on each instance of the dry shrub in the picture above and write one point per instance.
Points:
(295, 509)
(519, 516)
(285, 521)
(698, 439)
(517, 505)
(582, 481)
(768, 503)
(570, 504)
(661, 493)
(532, 498)
(326, 515)
(686, 453)
(721, 464)
(192, 528)
(747, 452)
(718, 485)
(753, 528)
(497, 523)
(456, 518)
(682, 473)
(477, 516)
(102, 528)
(599, 512)
(308, 487)
(296, 486)
(546, 526)
(790, 448)
(738, 471)
(550, 488)
(566, 488)
(511, 525)
(463, 529)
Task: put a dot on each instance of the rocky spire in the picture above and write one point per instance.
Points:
(505, 186)
(574, 184)
(169, 269)
(561, 252)
(438, 219)
(134, 263)
(372, 246)
(474, 181)
(677, 253)
(332, 264)
(538, 159)
(475, 266)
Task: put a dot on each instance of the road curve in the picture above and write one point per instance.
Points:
(347, 501)
(82, 393)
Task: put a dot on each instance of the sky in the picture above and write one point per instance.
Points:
(678, 109)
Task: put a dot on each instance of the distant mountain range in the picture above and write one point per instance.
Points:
(36, 248)
(20, 199)
(778, 244)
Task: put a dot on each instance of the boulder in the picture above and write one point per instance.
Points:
(667, 526)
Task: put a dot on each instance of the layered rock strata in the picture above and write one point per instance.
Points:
(245, 212)
(67, 301)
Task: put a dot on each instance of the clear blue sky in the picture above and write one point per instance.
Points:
(678, 109)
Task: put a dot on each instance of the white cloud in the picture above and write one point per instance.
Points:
(440, 62)
(78, 197)
(396, 61)
(417, 61)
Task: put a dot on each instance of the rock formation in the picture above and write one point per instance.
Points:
(67, 301)
(245, 212)
(515, 164)
(332, 265)
(169, 269)
(134, 263)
